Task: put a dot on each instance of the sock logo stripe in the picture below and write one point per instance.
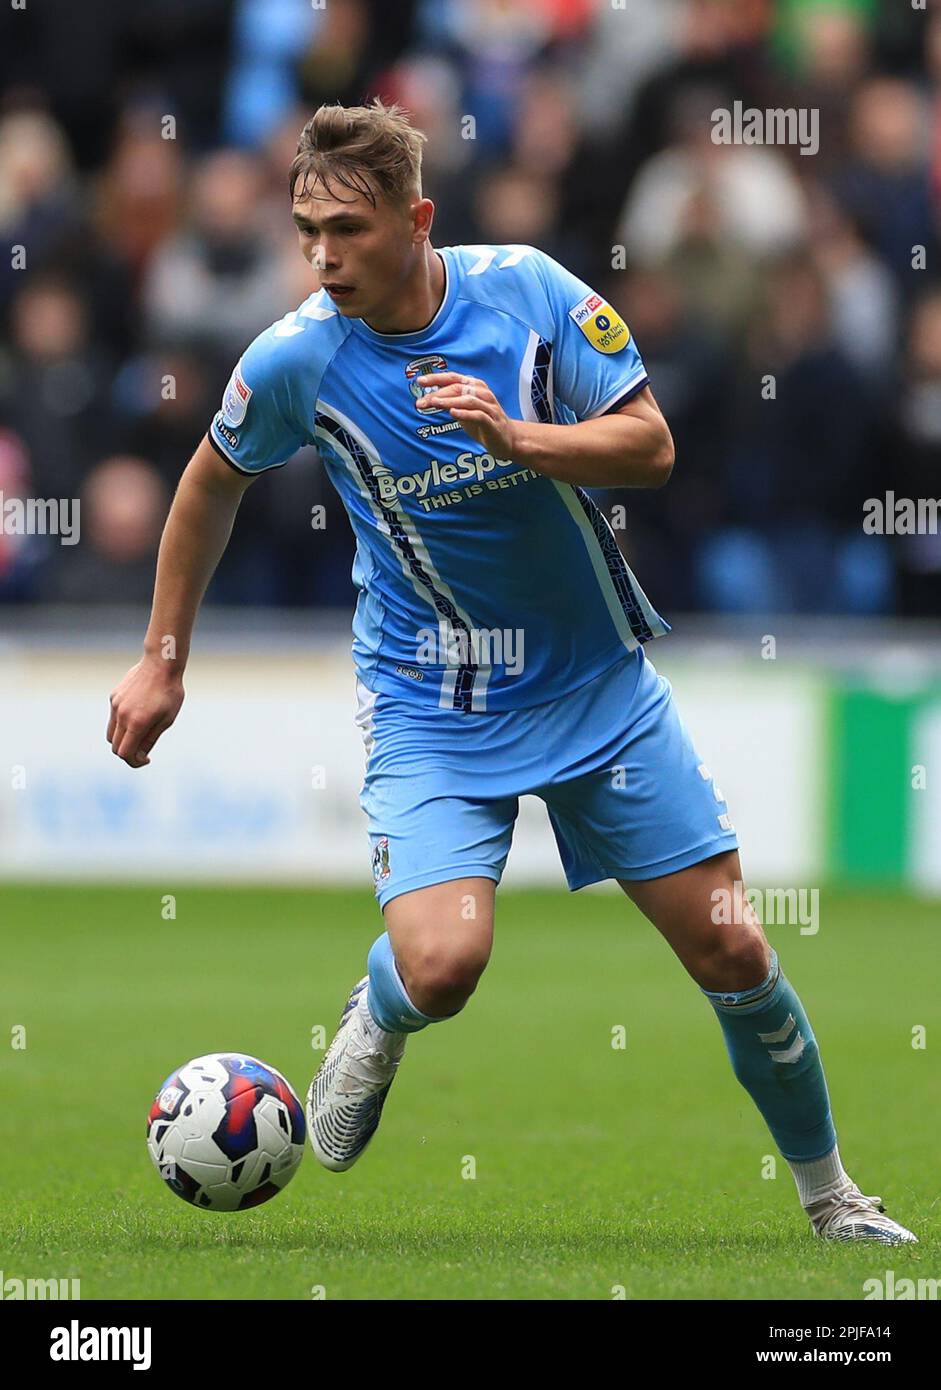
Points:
(781, 1034)
(792, 1053)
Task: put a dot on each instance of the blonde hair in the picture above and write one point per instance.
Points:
(367, 149)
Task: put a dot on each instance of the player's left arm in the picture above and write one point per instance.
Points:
(629, 447)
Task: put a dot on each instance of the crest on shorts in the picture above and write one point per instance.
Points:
(380, 861)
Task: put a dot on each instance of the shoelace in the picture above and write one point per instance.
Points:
(364, 1064)
(845, 1197)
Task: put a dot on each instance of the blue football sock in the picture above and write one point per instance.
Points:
(387, 996)
(775, 1056)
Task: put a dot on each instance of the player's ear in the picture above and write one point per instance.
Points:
(422, 215)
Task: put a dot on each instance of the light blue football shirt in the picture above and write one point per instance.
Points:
(484, 585)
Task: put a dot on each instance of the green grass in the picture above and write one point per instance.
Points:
(595, 1167)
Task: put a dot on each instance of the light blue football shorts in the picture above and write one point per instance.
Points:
(627, 794)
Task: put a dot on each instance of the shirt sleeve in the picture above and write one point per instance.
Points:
(595, 363)
(255, 428)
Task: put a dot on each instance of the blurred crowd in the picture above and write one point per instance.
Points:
(788, 306)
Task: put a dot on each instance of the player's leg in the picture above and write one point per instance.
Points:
(654, 820)
(421, 970)
(722, 949)
(767, 1033)
(435, 948)
(436, 864)
(704, 914)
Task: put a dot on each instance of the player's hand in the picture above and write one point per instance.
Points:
(471, 401)
(143, 706)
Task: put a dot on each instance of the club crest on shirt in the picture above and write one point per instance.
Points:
(433, 363)
(236, 399)
(601, 325)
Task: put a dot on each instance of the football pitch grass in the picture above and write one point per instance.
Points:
(599, 1171)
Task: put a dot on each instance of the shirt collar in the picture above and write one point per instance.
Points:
(419, 334)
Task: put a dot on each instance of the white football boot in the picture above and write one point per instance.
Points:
(843, 1213)
(346, 1096)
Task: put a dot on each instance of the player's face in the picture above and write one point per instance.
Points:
(360, 253)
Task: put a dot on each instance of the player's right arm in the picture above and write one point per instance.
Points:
(196, 533)
(255, 429)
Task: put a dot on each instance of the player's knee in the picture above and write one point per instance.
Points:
(736, 957)
(444, 972)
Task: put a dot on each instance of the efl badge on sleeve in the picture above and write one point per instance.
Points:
(604, 329)
(236, 399)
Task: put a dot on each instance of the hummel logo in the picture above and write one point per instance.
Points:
(789, 1054)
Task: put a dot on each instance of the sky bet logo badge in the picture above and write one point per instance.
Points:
(603, 328)
(236, 399)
